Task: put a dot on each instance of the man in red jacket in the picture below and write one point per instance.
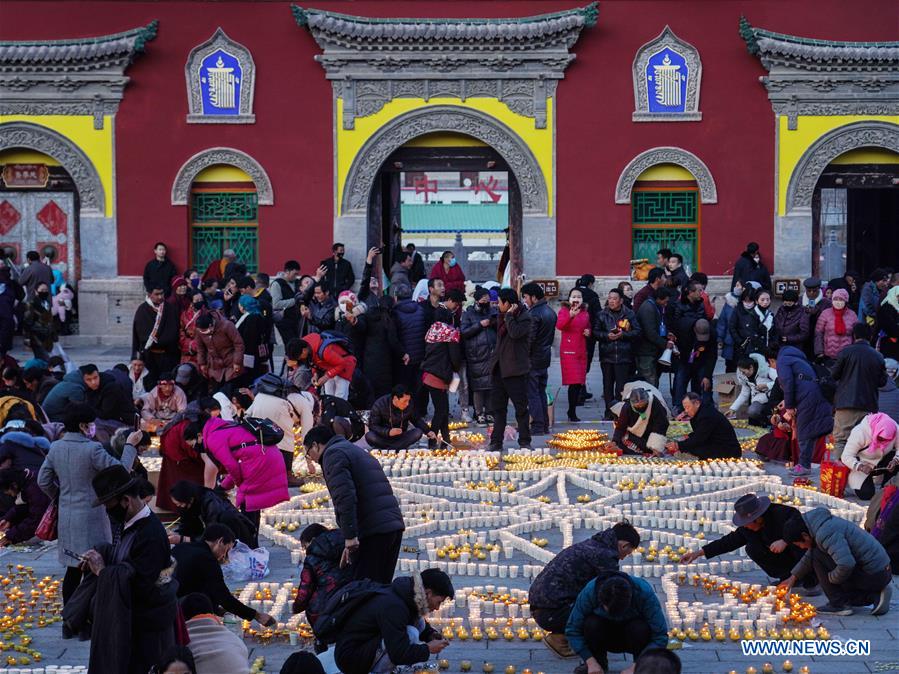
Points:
(331, 359)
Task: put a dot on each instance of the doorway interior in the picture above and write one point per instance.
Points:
(464, 199)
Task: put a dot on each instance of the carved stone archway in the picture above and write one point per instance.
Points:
(221, 155)
(74, 161)
(828, 147)
(443, 118)
(793, 231)
(708, 192)
(537, 235)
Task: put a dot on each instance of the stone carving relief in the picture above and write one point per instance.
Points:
(708, 192)
(221, 155)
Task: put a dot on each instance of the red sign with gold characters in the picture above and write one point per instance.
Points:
(26, 175)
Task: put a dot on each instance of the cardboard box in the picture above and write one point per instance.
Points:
(725, 386)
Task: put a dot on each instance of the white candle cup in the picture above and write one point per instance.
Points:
(503, 571)
(513, 571)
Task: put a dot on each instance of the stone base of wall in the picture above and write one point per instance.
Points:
(106, 310)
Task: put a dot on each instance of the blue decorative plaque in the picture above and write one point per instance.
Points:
(221, 78)
(667, 76)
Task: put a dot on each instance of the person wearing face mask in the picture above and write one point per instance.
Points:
(833, 330)
(744, 326)
(188, 334)
(767, 335)
(338, 272)
(128, 597)
(448, 270)
(722, 329)
(35, 273)
(749, 267)
(38, 326)
(479, 340)
(791, 323)
(66, 474)
(199, 569)
(642, 423)
(220, 350)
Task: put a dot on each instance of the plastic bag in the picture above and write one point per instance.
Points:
(244, 563)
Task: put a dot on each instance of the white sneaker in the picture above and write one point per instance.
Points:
(466, 415)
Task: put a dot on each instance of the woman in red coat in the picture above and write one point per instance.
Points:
(180, 461)
(448, 270)
(574, 324)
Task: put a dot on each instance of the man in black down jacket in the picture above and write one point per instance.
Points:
(478, 326)
(390, 418)
(389, 629)
(511, 365)
(555, 590)
(616, 329)
(543, 332)
(411, 327)
(367, 512)
(760, 526)
(859, 372)
(713, 437)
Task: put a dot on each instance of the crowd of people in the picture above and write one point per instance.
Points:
(368, 365)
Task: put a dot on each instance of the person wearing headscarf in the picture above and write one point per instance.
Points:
(833, 330)
(251, 327)
(888, 324)
(642, 423)
(871, 447)
(180, 295)
(162, 402)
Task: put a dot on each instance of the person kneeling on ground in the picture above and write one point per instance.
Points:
(852, 566)
(390, 418)
(756, 382)
(216, 649)
(871, 447)
(322, 572)
(389, 629)
(22, 519)
(199, 569)
(713, 437)
(642, 424)
(555, 590)
(615, 613)
(760, 525)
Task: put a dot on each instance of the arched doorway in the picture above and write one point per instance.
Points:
(843, 195)
(449, 192)
(371, 203)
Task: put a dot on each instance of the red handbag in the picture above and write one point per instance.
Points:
(46, 528)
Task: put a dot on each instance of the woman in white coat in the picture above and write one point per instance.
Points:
(872, 444)
(66, 474)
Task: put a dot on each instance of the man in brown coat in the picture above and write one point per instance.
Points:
(219, 351)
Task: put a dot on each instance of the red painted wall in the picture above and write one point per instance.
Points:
(292, 137)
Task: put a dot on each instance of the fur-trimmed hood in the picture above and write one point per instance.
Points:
(412, 590)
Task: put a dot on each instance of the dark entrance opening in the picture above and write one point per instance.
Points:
(465, 198)
(855, 219)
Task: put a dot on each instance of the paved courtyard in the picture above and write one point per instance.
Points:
(513, 516)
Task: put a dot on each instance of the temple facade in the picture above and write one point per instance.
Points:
(549, 137)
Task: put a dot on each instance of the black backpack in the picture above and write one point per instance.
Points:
(329, 337)
(266, 431)
(332, 407)
(341, 606)
(273, 385)
(825, 381)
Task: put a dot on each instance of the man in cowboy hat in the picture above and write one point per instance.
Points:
(133, 581)
(760, 528)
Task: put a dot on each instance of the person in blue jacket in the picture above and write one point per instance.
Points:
(615, 613)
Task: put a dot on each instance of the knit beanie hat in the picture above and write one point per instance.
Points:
(840, 294)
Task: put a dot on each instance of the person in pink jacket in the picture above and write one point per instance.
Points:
(833, 330)
(574, 324)
(258, 472)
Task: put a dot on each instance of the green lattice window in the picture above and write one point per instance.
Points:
(224, 206)
(666, 219)
(222, 220)
(665, 208)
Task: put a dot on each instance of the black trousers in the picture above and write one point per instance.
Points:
(440, 420)
(70, 582)
(614, 377)
(254, 518)
(376, 557)
(506, 389)
(605, 636)
(860, 589)
(779, 565)
(402, 441)
(553, 619)
(574, 397)
(157, 364)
